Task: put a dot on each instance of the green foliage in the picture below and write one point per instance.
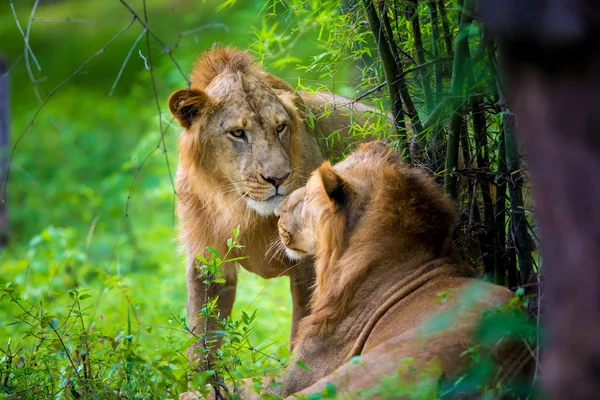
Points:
(93, 291)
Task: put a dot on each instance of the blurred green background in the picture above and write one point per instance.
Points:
(91, 148)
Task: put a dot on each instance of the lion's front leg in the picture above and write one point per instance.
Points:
(302, 279)
(197, 294)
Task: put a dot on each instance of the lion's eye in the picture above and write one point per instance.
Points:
(281, 128)
(238, 133)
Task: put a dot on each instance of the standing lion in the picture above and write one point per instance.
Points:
(245, 145)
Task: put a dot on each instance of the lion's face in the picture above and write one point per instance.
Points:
(316, 217)
(296, 224)
(245, 132)
(302, 213)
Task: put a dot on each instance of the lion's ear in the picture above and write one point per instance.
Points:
(337, 188)
(276, 83)
(292, 103)
(185, 105)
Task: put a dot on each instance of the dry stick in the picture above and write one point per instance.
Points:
(391, 74)
(412, 15)
(53, 92)
(456, 93)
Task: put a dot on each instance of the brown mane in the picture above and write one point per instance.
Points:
(405, 217)
(218, 60)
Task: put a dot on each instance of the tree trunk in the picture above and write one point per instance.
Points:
(551, 51)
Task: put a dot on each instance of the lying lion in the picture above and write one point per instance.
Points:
(387, 272)
(246, 144)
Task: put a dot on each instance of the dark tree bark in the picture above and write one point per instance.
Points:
(551, 51)
(4, 115)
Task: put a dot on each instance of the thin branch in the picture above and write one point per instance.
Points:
(37, 64)
(53, 92)
(375, 89)
(162, 131)
(65, 19)
(112, 89)
(199, 29)
(166, 48)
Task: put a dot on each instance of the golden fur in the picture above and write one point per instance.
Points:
(224, 180)
(387, 270)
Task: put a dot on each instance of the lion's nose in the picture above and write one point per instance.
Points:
(275, 181)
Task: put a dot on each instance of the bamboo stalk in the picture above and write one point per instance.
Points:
(392, 73)
(441, 5)
(500, 215)
(522, 238)
(438, 82)
(456, 93)
(413, 16)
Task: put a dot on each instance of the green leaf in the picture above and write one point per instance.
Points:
(219, 280)
(330, 391)
(214, 251)
(302, 365)
(85, 296)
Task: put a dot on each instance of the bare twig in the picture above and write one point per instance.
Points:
(112, 89)
(166, 48)
(12, 7)
(65, 19)
(162, 131)
(53, 92)
(199, 29)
